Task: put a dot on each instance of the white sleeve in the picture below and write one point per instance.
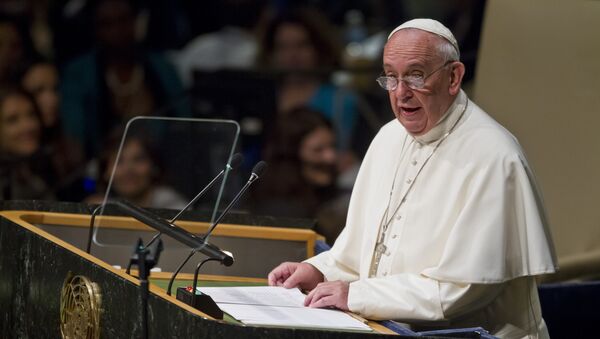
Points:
(332, 270)
(413, 297)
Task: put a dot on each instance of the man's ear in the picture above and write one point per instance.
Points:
(456, 75)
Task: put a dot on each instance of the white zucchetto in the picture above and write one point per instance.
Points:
(429, 25)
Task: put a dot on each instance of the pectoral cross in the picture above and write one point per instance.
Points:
(380, 249)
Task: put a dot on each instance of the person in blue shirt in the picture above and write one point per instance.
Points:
(117, 80)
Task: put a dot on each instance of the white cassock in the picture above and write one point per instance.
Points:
(466, 230)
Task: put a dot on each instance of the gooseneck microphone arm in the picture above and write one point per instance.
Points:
(195, 284)
(179, 268)
(257, 172)
(97, 210)
(176, 232)
(236, 161)
(199, 195)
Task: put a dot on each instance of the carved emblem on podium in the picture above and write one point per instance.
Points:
(80, 308)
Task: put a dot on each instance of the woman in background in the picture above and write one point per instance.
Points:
(137, 176)
(25, 171)
(302, 181)
(41, 81)
(296, 44)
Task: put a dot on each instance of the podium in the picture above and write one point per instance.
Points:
(35, 266)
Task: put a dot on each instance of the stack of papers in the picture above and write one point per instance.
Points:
(277, 306)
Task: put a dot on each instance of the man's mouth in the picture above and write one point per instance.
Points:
(409, 110)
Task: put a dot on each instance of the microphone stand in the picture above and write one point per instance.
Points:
(145, 257)
(200, 301)
(257, 171)
(211, 229)
(91, 228)
(179, 270)
(205, 238)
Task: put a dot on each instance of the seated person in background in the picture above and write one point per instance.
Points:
(233, 46)
(24, 170)
(137, 177)
(296, 44)
(41, 81)
(446, 228)
(13, 56)
(116, 81)
(302, 162)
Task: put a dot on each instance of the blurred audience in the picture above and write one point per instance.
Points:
(31, 17)
(302, 164)
(297, 43)
(234, 46)
(86, 68)
(41, 81)
(138, 175)
(72, 29)
(116, 81)
(13, 56)
(25, 171)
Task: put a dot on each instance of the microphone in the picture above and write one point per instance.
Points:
(189, 239)
(258, 170)
(236, 161)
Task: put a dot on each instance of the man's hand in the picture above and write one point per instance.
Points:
(294, 274)
(329, 294)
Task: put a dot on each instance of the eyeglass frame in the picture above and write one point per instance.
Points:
(407, 82)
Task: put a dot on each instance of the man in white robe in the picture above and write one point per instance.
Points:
(445, 227)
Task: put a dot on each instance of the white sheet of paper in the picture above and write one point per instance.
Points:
(256, 295)
(278, 306)
(293, 317)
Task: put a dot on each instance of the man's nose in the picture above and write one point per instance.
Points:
(402, 91)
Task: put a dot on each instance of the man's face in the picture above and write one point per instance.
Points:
(415, 52)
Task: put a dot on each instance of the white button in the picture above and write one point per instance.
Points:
(408, 181)
(388, 253)
(384, 273)
(414, 162)
(398, 217)
(394, 236)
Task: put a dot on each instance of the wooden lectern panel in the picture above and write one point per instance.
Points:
(35, 263)
(256, 249)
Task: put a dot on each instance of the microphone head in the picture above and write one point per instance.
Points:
(236, 160)
(260, 168)
(228, 260)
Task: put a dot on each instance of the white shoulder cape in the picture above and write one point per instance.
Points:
(474, 213)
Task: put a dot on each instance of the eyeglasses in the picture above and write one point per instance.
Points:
(416, 81)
